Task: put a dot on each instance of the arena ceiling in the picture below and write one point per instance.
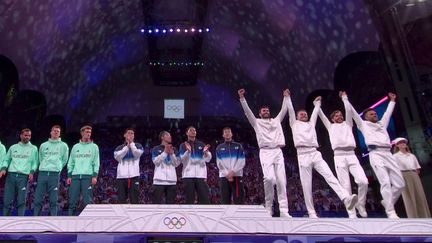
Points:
(91, 60)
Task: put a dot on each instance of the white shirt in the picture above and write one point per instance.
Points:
(375, 133)
(268, 132)
(406, 161)
(341, 135)
(304, 134)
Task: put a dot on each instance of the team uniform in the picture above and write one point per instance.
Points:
(165, 177)
(230, 157)
(82, 166)
(346, 162)
(194, 172)
(128, 172)
(53, 156)
(305, 141)
(383, 163)
(271, 139)
(20, 161)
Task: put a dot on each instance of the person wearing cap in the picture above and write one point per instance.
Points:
(382, 162)
(416, 205)
(346, 162)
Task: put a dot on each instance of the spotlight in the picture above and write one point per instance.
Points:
(142, 30)
(185, 30)
(171, 30)
(200, 30)
(178, 30)
(156, 30)
(193, 29)
(207, 30)
(164, 31)
(150, 31)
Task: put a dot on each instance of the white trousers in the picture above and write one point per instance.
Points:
(307, 161)
(273, 167)
(389, 176)
(347, 163)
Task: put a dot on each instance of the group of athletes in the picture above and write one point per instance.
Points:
(23, 160)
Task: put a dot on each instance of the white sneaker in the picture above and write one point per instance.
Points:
(352, 216)
(285, 215)
(392, 215)
(313, 216)
(350, 201)
(361, 210)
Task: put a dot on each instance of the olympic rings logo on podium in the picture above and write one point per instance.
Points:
(175, 108)
(174, 222)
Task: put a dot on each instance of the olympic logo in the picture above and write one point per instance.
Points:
(175, 108)
(174, 222)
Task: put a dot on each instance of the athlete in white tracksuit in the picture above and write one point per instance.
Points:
(305, 141)
(383, 163)
(270, 139)
(346, 162)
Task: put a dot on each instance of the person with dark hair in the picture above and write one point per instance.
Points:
(20, 162)
(128, 171)
(83, 170)
(305, 141)
(346, 162)
(270, 139)
(194, 155)
(165, 177)
(383, 163)
(53, 156)
(230, 160)
(416, 205)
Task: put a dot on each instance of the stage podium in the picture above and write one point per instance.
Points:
(207, 223)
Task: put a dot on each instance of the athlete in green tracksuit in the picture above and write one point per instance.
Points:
(53, 155)
(20, 162)
(83, 169)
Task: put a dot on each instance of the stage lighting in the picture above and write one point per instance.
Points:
(156, 30)
(142, 30)
(178, 30)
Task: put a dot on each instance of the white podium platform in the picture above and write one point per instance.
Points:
(211, 219)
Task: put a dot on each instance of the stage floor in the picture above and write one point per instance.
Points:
(208, 219)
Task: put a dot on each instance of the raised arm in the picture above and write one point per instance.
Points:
(390, 107)
(291, 112)
(248, 112)
(317, 107)
(355, 116)
(348, 113)
(284, 108)
(324, 119)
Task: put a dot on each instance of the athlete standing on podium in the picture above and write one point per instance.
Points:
(270, 139)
